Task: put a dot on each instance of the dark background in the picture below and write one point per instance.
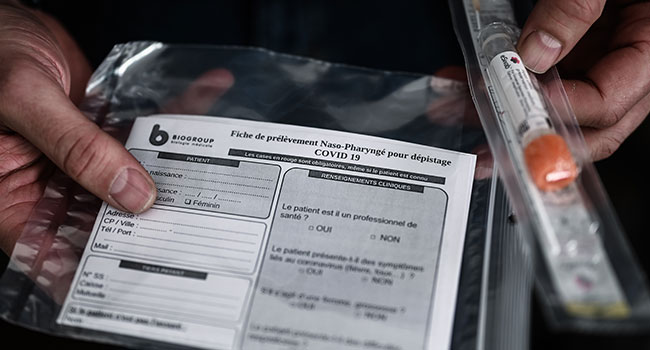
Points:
(415, 36)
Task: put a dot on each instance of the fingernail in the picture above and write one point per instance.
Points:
(539, 51)
(131, 190)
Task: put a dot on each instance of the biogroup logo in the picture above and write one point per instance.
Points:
(159, 137)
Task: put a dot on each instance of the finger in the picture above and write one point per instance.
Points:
(452, 72)
(37, 108)
(454, 103)
(202, 93)
(15, 153)
(604, 142)
(57, 269)
(620, 79)
(484, 162)
(78, 65)
(454, 109)
(20, 191)
(553, 29)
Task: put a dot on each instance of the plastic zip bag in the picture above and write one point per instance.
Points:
(144, 78)
(585, 272)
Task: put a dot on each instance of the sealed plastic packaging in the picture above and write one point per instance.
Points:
(585, 272)
(156, 93)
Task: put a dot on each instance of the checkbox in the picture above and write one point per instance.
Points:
(188, 201)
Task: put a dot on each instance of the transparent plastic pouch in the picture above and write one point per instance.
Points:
(140, 79)
(587, 276)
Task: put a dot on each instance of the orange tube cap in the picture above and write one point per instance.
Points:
(550, 163)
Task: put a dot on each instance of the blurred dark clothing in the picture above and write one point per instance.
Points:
(414, 36)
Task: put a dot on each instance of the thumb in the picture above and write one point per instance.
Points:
(553, 29)
(39, 109)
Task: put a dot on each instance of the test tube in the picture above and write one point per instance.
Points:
(548, 159)
(568, 231)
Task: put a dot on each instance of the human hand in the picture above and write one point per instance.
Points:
(455, 106)
(604, 52)
(37, 89)
(42, 75)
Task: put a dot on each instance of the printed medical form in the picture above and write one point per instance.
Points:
(271, 236)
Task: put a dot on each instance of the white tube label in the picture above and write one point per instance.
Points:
(522, 100)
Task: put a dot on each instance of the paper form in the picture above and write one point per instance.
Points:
(268, 236)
